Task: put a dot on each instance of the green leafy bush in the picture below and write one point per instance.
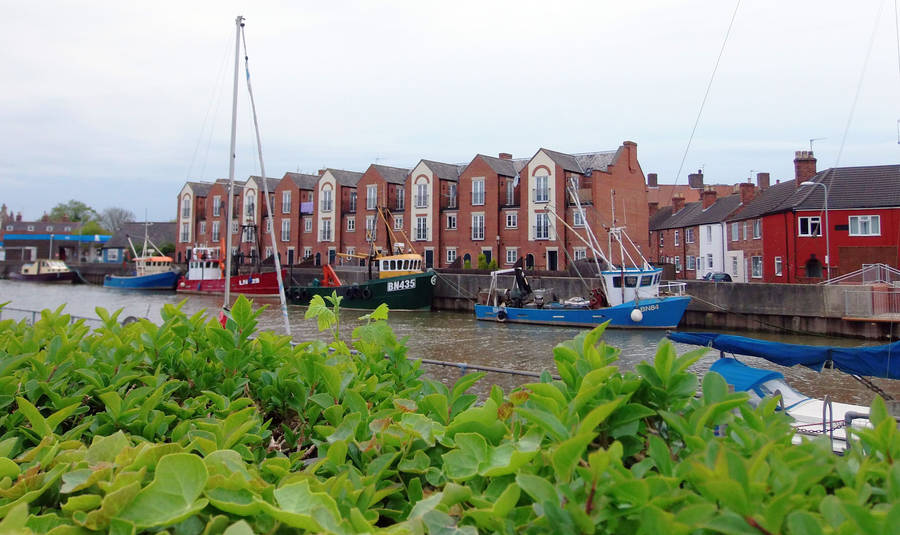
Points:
(482, 261)
(190, 428)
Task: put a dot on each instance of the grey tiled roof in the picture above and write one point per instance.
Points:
(40, 227)
(445, 171)
(504, 167)
(238, 184)
(693, 214)
(160, 232)
(200, 189)
(393, 175)
(582, 162)
(718, 211)
(303, 181)
(345, 178)
(775, 199)
(271, 182)
(870, 186)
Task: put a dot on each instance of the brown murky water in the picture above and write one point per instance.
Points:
(447, 336)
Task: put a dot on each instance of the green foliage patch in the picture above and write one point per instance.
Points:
(190, 428)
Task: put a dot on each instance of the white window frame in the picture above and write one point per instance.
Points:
(689, 235)
(451, 221)
(709, 233)
(756, 267)
(307, 252)
(512, 220)
(691, 263)
(451, 193)
(185, 235)
(778, 266)
(478, 192)
(812, 223)
(542, 188)
(325, 233)
(872, 225)
(202, 228)
(542, 226)
(512, 255)
(217, 206)
(477, 227)
(112, 255)
(326, 203)
(186, 207)
(351, 224)
(421, 195)
(421, 228)
(675, 239)
(371, 196)
(577, 220)
(757, 229)
(735, 231)
(579, 253)
(353, 199)
(677, 262)
(401, 198)
(307, 224)
(709, 261)
(451, 255)
(216, 231)
(398, 222)
(371, 228)
(286, 201)
(234, 227)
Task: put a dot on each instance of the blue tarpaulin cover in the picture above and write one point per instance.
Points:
(870, 361)
(740, 375)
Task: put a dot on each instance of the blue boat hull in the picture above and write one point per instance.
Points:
(657, 313)
(157, 281)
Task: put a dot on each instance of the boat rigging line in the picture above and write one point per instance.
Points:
(862, 76)
(239, 23)
(265, 183)
(706, 95)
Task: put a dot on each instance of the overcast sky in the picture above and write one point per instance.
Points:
(119, 103)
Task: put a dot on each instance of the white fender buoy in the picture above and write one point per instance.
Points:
(637, 315)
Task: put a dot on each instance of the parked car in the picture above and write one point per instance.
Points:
(717, 276)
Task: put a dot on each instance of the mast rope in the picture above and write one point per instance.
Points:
(265, 186)
(859, 83)
(706, 95)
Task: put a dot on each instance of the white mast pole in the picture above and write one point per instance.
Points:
(238, 23)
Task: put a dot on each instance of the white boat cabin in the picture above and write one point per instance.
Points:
(398, 265)
(44, 265)
(630, 284)
(205, 264)
(152, 265)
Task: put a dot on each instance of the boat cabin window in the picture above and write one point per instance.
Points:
(617, 282)
(647, 280)
(631, 281)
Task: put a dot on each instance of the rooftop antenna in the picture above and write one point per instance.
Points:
(821, 138)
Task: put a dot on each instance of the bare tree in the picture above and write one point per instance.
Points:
(113, 218)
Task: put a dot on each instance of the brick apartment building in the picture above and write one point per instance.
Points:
(496, 206)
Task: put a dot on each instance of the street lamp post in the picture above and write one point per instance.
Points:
(827, 245)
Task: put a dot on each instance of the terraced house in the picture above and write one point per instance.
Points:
(501, 207)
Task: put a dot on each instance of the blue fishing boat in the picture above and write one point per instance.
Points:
(629, 295)
(151, 272)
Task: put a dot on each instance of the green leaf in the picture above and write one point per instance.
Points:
(803, 523)
(240, 527)
(300, 507)
(569, 453)
(464, 383)
(34, 417)
(545, 420)
(540, 490)
(14, 522)
(598, 415)
(173, 495)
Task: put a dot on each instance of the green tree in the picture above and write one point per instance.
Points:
(92, 227)
(73, 211)
(493, 264)
(167, 248)
(482, 261)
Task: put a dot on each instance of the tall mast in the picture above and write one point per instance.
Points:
(238, 22)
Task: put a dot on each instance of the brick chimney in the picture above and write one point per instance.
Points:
(19, 216)
(695, 180)
(505, 156)
(631, 147)
(804, 166)
(322, 171)
(653, 207)
(709, 197)
(748, 192)
(652, 180)
(677, 203)
(762, 181)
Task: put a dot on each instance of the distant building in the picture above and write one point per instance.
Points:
(118, 248)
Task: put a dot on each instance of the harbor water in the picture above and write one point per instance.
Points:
(452, 337)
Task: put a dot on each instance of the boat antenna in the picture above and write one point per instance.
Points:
(265, 183)
(239, 23)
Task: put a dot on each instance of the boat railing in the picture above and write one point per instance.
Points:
(872, 304)
(672, 288)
